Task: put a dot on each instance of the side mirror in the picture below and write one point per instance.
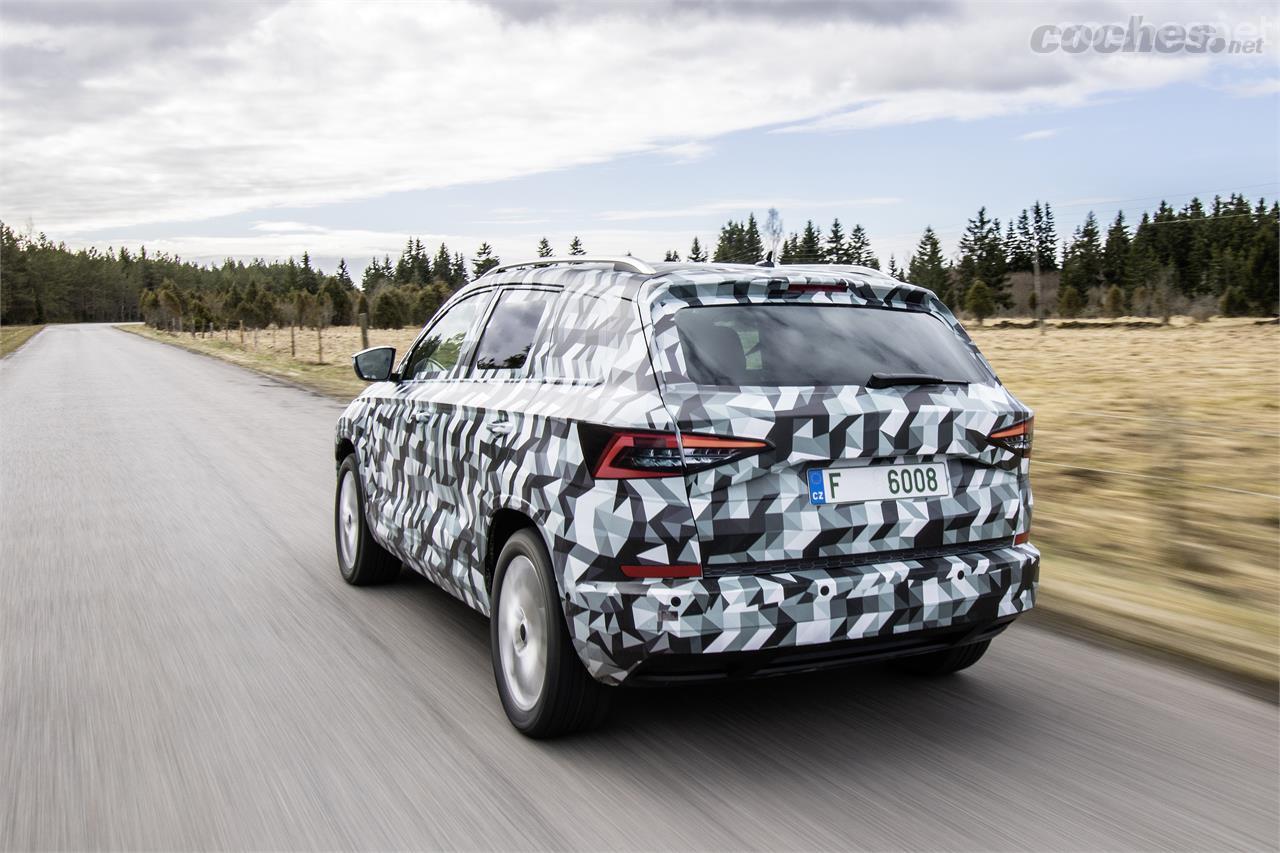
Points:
(374, 364)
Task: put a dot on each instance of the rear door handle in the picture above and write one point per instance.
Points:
(419, 417)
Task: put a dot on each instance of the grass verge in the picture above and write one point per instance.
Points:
(12, 337)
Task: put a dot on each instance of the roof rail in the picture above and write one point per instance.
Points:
(620, 263)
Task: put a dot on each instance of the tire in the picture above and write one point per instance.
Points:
(946, 661)
(544, 688)
(361, 560)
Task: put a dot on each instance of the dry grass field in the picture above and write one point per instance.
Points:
(12, 337)
(1156, 471)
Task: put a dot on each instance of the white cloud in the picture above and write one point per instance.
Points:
(118, 115)
(1255, 88)
(743, 207)
(687, 152)
(1034, 135)
(285, 227)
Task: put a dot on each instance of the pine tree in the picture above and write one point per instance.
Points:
(484, 260)
(896, 271)
(458, 271)
(544, 248)
(1045, 236)
(982, 258)
(1116, 251)
(339, 295)
(575, 246)
(697, 254)
(671, 256)
(442, 266)
(790, 250)
(1263, 262)
(752, 247)
(858, 249)
(730, 246)
(1019, 244)
(927, 268)
(809, 249)
(421, 264)
(1190, 250)
(1142, 266)
(405, 264)
(1082, 262)
(836, 251)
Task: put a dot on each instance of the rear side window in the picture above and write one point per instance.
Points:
(510, 333)
(801, 345)
(586, 336)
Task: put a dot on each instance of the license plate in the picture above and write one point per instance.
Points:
(878, 483)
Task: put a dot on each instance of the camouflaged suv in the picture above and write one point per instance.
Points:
(692, 471)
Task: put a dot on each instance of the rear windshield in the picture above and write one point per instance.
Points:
(818, 345)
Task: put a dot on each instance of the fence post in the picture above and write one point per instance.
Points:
(364, 330)
(242, 333)
(1035, 274)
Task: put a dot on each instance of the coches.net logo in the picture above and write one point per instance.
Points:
(1139, 37)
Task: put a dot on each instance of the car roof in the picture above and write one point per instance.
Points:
(625, 276)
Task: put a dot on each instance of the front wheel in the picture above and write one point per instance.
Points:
(543, 686)
(362, 561)
(946, 661)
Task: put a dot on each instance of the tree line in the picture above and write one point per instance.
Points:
(1226, 254)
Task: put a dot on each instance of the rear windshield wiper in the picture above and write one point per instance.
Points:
(888, 380)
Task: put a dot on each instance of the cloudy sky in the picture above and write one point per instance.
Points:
(267, 128)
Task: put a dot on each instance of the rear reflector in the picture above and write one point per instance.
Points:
(1016, 438)
(628, 454)
(1022, 538)
(683, 570)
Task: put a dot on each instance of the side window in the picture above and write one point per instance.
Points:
(586, 336)
(509, 335)
(437, 353)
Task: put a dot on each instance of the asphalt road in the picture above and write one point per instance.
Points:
(182, 667)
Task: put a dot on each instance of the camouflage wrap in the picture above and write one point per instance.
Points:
(439, 458)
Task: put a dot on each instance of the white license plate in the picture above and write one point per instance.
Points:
(878, 483)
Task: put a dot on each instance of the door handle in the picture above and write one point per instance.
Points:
(419, 417)
(502, 427)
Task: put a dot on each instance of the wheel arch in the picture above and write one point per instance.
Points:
(343, 448)
(504, 523)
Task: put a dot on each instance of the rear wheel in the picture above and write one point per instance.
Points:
(362, 561)
(946, 661)
(543, 686)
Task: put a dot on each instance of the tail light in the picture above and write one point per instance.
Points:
(629, 454)
(1016, 439)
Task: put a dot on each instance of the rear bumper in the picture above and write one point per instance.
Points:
(757, 624)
